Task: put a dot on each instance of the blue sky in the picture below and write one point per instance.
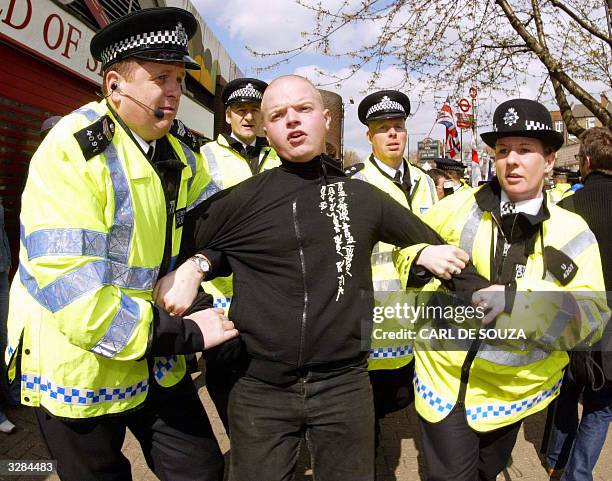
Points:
(271, 25)
(277, 24)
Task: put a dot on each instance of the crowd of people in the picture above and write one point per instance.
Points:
(141, 246)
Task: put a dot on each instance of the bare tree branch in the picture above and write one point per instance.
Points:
(495, 45)
(588, 26)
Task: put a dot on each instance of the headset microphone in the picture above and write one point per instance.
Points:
(158, 113)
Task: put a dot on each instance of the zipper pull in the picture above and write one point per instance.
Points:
(506, 249)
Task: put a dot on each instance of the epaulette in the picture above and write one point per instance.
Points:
(94, 138)
(353, 169)
(182, 132)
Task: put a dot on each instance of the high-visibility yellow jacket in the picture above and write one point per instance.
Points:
(228, 168)
(93, 221)
(559, 192)
(505, 385)
(389, 353)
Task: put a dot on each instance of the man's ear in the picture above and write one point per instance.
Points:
(369, 136)
(228, 118)
(327, 117)
(112, 78)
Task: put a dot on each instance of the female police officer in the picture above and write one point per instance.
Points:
(471, 401)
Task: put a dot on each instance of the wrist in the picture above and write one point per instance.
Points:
(197, 267)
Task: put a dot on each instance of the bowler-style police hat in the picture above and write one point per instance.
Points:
(561, 171)
(386, 104)
(154, 34)
(448, 164)
(523, 118)
(243, 90)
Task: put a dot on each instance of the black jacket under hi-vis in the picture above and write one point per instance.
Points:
(299, 239)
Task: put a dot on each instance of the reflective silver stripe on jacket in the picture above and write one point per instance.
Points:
(66, 242)
(191, 161)
(121, 328)
(567, 312)
(216, 183)
(379, 258)
(470, 227)
(112, 270)
(507, 358)
(575, 247)
(83, 242)
(388, 285)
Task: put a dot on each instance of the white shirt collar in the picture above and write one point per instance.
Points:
(529, 206)
(390, 171)
(252, 144)
(144, 145)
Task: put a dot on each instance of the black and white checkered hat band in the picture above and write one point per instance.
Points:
(248, 92)
(530, 125)
(168, 39)
(385, 104)
(533, 125)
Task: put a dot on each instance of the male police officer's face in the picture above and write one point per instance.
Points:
(388, 139)
(295, 120)
(154, 84)
(521, 167)
(245, 119)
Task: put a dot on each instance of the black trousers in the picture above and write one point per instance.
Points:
(455, 452)
(220, 380)
(393, 391)
(334, 414)
(172, 427)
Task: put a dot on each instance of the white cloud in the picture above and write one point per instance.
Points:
(278, 24)
(265, 26)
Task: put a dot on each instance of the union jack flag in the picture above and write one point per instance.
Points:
(446, 118)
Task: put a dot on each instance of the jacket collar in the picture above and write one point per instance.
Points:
(238, 146)
(488, 199)
(597, 177)
(321, 165)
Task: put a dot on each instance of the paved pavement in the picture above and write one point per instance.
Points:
(400, 460)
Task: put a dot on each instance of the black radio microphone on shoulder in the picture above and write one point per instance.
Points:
(158, 113)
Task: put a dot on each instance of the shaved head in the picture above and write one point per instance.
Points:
(292, 78)
(296, 121)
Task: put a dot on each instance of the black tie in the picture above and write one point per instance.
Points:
(401, 183)
(251, 155)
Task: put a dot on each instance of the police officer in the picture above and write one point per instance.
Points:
(561, 187)
(455, 170)
(230, 160)
(102, 215)
(384, 113)
(472, 400)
